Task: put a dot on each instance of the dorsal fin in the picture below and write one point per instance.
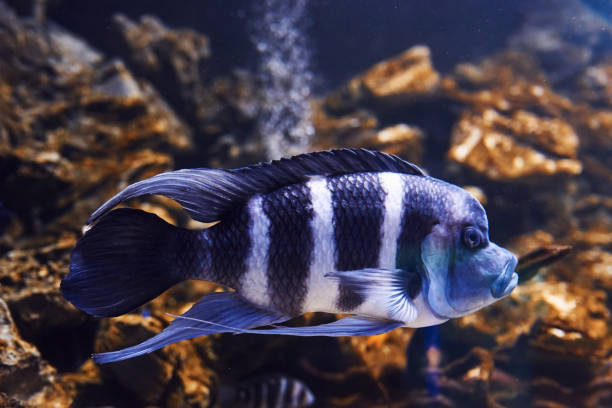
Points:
(208, 194)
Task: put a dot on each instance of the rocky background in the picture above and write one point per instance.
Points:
(525, 125)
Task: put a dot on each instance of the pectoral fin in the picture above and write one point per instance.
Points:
(393, 288)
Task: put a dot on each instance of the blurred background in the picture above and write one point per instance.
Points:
(510, 100)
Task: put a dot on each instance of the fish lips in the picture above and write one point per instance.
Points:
(506, 281)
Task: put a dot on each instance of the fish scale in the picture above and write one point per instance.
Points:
(190, 259)
(229, 243)
(358, 206)
(290, 212)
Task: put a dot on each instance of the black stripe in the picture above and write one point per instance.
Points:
(230, 243)
(288, 397)
(417, 222)
(256, 395)
(273, 391)
(289, 210)
(358, 202)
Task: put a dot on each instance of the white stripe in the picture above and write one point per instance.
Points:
(254, 283)
(296, 390)
(393, 185)
(280, 395)
(322, 292)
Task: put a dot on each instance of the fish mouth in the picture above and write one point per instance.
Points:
(506, 281)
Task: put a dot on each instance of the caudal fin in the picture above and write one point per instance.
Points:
(126, 259)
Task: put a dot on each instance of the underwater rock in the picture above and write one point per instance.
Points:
(466, 380)
(8, 402)
(30, 280)
(331, 130)
(384, 352)
(595, 127)
(123, 330)
(596, 265)
(76, 125)
(564, 36)
(523, 129)
(173, 60)
(401, 139)
(360, 129)
(575, 326)
(406, 78)
(24, 376)
(176, 375)
(594, 84)
(515, 126)
(490, 143)
(221, 109)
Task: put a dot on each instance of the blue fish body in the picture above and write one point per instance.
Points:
(342, 231)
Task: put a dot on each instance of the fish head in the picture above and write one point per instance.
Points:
(464, 271)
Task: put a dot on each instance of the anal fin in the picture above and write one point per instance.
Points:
(214, 313)
(347, 326)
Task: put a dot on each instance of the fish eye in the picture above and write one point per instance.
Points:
(472, 237)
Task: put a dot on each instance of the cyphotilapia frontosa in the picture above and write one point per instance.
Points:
(341, 231)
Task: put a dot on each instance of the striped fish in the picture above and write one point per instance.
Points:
(342, 231)
(270, 391)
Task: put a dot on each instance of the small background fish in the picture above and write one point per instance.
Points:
(269, 391)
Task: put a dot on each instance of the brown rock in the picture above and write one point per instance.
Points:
(8, 402)
(383, 352)
(75, 124)
(505, 82)
(359, 129)
(332, 130)
(490, 143)
(564, 36)
(403, 79)
(175, 57)
(575, 325)
(402, 140)
(463, 382)
(221, 110)
(175, 375)
(598, 393)
(24, 375)
(523, 128)
(594, 84)
(128, 330)
(30, 287)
